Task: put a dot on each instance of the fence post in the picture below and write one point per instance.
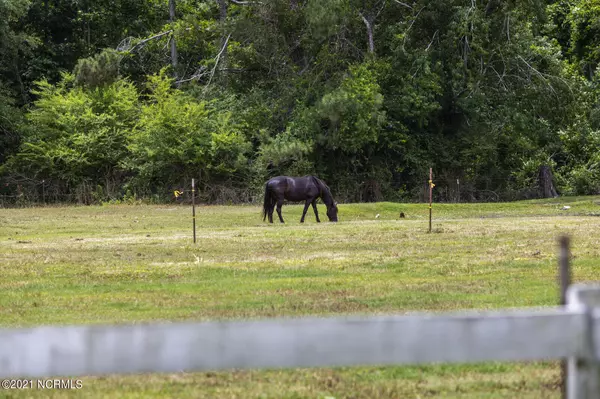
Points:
(430, 195)
(194, 209)
(583, 378)
(564, 280)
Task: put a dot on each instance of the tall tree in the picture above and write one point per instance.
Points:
(174, 58)
(15, 46)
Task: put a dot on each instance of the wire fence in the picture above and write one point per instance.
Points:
(446, 190)
(31, 192)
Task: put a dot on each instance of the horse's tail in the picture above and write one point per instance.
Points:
(267, 202)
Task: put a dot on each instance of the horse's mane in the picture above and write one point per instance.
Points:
(325, 191)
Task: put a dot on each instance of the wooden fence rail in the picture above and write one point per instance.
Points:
(571, 332)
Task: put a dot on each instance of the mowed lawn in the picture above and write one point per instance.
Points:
(137, 263)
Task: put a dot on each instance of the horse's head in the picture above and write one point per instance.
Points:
(332, 212)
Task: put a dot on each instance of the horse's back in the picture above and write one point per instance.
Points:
(294, 188)
(291, 181)
(278, 181)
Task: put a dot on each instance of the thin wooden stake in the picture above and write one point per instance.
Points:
(458, 190)
(564, 276)
(194, 209)
(430, 195)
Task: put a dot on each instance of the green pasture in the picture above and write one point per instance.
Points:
(137, 263)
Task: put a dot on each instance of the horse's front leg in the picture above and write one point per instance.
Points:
(305, 210)
(279, 205)
(314, 206)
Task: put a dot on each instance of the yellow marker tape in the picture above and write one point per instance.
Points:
(177, 193)
(431, 184)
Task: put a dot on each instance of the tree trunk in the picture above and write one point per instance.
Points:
(546, 185)
(369, 25)
(173, 44)
(17, 73)
(222, 10)
(223, 20)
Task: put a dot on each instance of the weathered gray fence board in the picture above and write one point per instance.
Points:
(584, 370)
(312, 342)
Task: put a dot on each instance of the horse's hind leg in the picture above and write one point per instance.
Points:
(279, 205)
(314, 206)
(270, 212)
(305, 210)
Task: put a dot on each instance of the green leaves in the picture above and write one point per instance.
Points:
(179, 137)
(326, 18)
(352, 114)
(74, 135)
(100, 70)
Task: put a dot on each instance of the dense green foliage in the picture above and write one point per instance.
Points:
(105, 100)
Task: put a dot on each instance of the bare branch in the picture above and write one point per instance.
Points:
(467, 49)
(245, 3)
(201, 72)
(383, 4)
(500, 78)
(308, 64)
(403, 4)
(158, 35)
(432, 39)
(196, 76)
(417, 71)
(217, 61)
(541, 75)
(410, 26)
(125, 43)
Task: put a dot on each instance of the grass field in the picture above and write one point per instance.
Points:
(128, 263)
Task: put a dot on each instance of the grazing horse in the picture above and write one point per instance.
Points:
(307, 188)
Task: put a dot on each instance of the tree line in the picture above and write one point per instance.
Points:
(111, 100)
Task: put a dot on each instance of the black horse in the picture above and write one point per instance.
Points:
(307, 188)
